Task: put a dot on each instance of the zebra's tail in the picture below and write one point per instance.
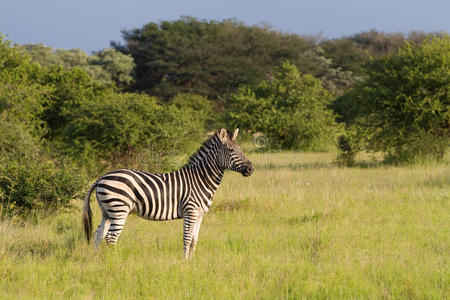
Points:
(87, 214)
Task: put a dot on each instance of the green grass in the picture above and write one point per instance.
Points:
(300, 227)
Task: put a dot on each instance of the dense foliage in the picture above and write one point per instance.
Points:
(213, 58)
(353, 52)
(403, 106)
(201, 107)
(290, 109)
(106, 66)
(30, 184)
(118, 126)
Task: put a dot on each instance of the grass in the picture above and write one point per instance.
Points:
(300, 227)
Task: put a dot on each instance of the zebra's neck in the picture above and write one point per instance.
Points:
(205, 169)
(207, 153)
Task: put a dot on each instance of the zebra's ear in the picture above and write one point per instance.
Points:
(223, 135)
(235, 134)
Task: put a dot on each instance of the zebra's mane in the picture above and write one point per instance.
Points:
(200, 154)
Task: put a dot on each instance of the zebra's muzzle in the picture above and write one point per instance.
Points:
(247, 169)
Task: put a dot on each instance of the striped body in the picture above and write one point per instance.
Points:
(154, 196)
(186, 193)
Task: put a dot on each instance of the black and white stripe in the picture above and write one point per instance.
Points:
(186, 193)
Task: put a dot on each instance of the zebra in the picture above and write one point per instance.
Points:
(186, 193)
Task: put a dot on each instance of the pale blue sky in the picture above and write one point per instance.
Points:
(91, 25)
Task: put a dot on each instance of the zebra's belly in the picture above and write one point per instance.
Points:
(155, 215)
(152, 218)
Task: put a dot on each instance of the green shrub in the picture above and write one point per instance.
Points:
(66, 91)
(349, 144)
(16, 139)
(119, 126)
(291, 110)
(30, 184)
(403, 106)
(199, 106)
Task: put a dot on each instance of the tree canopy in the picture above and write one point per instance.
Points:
(106, 66)
(214, 58)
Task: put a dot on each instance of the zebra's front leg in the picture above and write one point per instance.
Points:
(189, 224)
(195, 236)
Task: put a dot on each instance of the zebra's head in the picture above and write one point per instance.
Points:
(232, 157)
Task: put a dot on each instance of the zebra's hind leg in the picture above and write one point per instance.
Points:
(101, 231)
(114, 230)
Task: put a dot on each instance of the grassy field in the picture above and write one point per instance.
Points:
(300, 227)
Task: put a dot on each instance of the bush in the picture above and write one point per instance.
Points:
(117, 126)
(28, 179)
(404, 103)
(290, 109)
(349, 144)
(15, 138)
(29, 184)
(198, 105)
(66, 91)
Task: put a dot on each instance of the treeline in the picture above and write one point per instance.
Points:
(214, 58)
(67, 116)
(381, 92)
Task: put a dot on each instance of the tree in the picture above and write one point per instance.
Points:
(118, 65)
(41, 54)
(290, 109)
(378, 43)
(106, 66)
(66, 91)
(21, 98)
(353, 52)
(404, 103)
(346, 54)
(333, 77)
(213, 59)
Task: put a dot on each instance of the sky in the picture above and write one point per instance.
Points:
(92, 24)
